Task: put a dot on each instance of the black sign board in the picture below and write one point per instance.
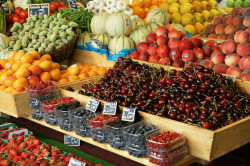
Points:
(92, 105)
(71, 141)
(128, 114)
(110, 108)
(72, 4)
(37, 9)
(6, 10)
(75, 162)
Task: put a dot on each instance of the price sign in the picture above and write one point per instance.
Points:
(71, 141)
(75, 162)
(72, 4)
(128, 114)
(110, 108)
(6, 10)
(92, 105)
(37, 9)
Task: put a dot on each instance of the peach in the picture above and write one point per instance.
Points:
(228, 19)
(210, 28)
(231, 36)
(237, 11)
(244, 63)
(16, 66)
(26, 65)
(45, 77)
(217, 57)
(243, 49)
(218, 19)
(83, 75)
(10, 80)
(248, 30)
(5, 75)
(207, 63)
(33, 80)
(9, 89)
(237, 20)
(20, 83)
(37, 62)
(245, 75)
(35, 70)
(220, 68)
(55, 74)
(55, 66)
(232, 59)
(222, 36)
(239, 28)
(230, 29)
(19, 55)
(246, 22)
(212, 35)
(19, 90)
(22, 72)
(46, 57)
(241, 37)
(228, 47)
(46, 66)
(220, 29)
(27, 58)
(36, 55)
(235, 71)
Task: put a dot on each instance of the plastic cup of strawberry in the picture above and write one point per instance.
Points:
(40, 89)
(101, 119)
(50, 107)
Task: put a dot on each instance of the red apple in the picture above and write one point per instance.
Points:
(232, 59)
(228, 47)
(207, 63)
(198, 52)
(173, 43)
(220, 68)
(175, 54)
(154, 58)
(170, 27)
(217, 57)
(185, 44)
(244, 63)
(134, 55)
(174, 34)
(248, 30)
(161, 30)
(245, 75)
(178, 63)
(162, 40)
(165, 61)
(144, 56)
(207, 50)
(197, 42)
(235, 71)
(188, 55)
(152, 49)
(243, 49)
(142, 47)
(151, 38)
(162, 51)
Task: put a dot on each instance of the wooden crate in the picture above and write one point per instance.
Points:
(202, 143)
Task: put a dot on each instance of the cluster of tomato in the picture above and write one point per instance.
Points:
(55, 6)
(19, 16)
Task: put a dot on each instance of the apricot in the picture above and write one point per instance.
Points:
(55, 66)
(33, 80)
(10, 80)
(9, 89)
(22, 72)
(20, 83)
(73, 70)
(55, 74)
(5, 75)
(16, 66)
(19, 90)
(83, 75)
(26, 65)
(36, 62)
(95, 68)
(45, 77)
(35, 70)
(36, 55)
(46, 57)
(73, 78)
(101, 71)
(27, 58)
(46, 66)
(11, 55)
(8, 66)
(65, 75)
(3, 87)
(3, 62)
(86, 69)
(92, 73)
(19, 55)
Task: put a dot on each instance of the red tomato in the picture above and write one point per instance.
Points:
(66, 6)
(23, 14)
(18, 10)
(60, 3)
(53, 6)
(61, 7)
(21, 20)
(15, 18)
(9, 19)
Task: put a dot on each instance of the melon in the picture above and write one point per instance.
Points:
(84, 38)
(179, 27)
(139, 35)
(119, 43)
(103, 38)
(4, 53)
(4, 41)
(158, 15)
(138, 24)
(119, 24)
(98, 23)
(152, 26)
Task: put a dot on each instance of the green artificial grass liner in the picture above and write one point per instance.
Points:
(69, 149)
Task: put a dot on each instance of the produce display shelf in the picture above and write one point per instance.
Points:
(186, 161)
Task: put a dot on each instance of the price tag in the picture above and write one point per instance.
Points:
(37, 9)
(128, 114)
(110, 108)
(75, 162)
(92, 105)
(99, 44)
(71, 141)
(72, 4)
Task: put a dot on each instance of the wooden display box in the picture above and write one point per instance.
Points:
(202, 143)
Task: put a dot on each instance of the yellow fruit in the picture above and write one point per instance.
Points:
(197, 6)
(199, 27)
(74, 70)
(176, 18)
(205, 5)
(174, 8)
(186, 8)
(169, 16)
(164, 6)
(191, 29)
(207, 15)
(172, 1)
(187, 18)
(185, 1)
(198, 17)
(228, 9)
(222, 11)
(213, 4)
(205, 24)
(214, 12)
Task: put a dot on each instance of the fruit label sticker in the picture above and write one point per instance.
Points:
(37, 9)
(72, 4)
(75, 162)
(110, 108)
(128, 114)
(92, 105)
(71, 141)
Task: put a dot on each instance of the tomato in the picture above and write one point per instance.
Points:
(9, 19)
(18, 10)
(66, 6)
(15, 18)
(60, 8)
(23, 14)
(53, 6)
(21, 20)
(60, 3)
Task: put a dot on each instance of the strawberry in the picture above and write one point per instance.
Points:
(25, 155)
(36, 142)
(13, 152)
(10, 156)
(20, 139)
(12, 141)
(33, 157)
(4, 162)
(23, 163)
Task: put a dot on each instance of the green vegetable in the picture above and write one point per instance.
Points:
(70, 32)
(41, 49)
(64, 27)
(73, 24)
(53, 37)
(69, 38)
(34, 17)
(17, 47)
(65, 41)
(59, 16)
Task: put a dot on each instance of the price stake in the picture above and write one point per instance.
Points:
(71, 141)
(75, 162)
(92, 105)
(110, 108)
(37, 9)
(72, 4)
(128, 114)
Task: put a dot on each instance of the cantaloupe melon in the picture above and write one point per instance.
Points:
(84, 38)
(103, 38)
(139, 35)
(98, 23)
(158, 15)
(152, 26)
(119, 43)
(138, 24)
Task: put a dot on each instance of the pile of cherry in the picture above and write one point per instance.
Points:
(196, 95)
